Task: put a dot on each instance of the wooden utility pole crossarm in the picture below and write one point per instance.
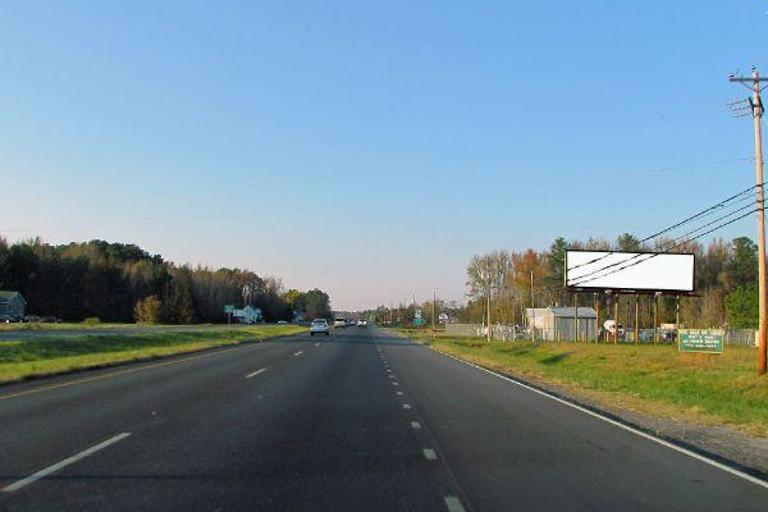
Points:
(756, 103)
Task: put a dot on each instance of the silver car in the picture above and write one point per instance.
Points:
(319, 326)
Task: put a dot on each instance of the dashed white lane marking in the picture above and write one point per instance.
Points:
(391, 376)
(399, 393)
(406, 406)
(262, 370)
(64, 463)
(415, 425)
(685, 451)
(429, 454)
(395, 384)
(453, 503)
(317, 344)
(298, 353)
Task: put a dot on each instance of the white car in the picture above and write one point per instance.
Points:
(362, 323)
(319, 326)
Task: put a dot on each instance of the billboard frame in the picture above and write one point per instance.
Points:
(630, 291)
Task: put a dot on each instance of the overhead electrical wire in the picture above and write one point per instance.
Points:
(738, 197)
(625, 264)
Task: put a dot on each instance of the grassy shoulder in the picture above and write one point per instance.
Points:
(89, 325)
(30, 358)
(656, 379)
(33, 326)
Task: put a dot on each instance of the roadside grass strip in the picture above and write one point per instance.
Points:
(22, 359)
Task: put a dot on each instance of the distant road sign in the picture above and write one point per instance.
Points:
(701, 340)
(418, 321)
(229, 308)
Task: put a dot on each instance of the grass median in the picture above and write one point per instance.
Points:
(25, 359)
(712, 389)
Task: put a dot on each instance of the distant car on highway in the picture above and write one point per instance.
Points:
(339, 322)
(362, 323)
(319, 326)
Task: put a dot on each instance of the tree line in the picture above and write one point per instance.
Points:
(121, 283)
(725, 283)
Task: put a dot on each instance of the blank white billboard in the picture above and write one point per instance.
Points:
(629, 271)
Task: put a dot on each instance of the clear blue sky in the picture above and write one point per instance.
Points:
(368, 148)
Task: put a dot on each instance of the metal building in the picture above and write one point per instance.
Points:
(563, 324)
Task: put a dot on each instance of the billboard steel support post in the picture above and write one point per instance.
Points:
(597, 319)
(637, 319)
(576, 315)
(656, 318)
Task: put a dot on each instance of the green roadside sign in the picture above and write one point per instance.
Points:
(418, 322)
(229, 308)
(701, 340)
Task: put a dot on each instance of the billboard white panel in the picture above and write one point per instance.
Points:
(630, 271)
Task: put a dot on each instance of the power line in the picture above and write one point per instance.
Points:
(581, 280)
(716, 220)
(692, 166)
(693, 217)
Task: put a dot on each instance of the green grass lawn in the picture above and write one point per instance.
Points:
(28, 358)
(35, 326)
(42, 326)
(718, 389)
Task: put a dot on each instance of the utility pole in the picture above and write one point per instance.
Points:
(434, 300)
(533, 312)
(488, 311)
(756, 103)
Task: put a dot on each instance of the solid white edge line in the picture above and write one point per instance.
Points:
(453, 504)
(262, 370)
(64, 463)
(680, 449)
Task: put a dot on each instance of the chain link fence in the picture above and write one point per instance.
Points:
(733, 337)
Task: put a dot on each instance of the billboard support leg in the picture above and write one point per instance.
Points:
(637, 319)
(597, 319)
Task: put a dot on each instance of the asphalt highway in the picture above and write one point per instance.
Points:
(356, 421)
